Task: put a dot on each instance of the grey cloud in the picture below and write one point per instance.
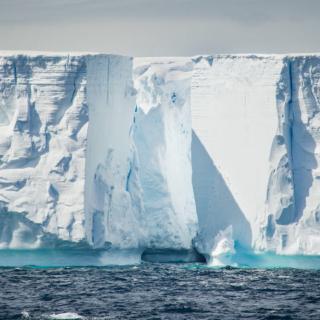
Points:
(245, 11)
(160, 27)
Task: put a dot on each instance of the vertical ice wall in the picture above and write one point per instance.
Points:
(255, 153)
(163, 140)
(295, 228)
(113, 204)
(305, 73)
(280, 198)
(234, 120)
(42, 148)
(49, 160)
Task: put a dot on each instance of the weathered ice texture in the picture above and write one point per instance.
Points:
(113, 200)
(163, 140)
(44, 116)
(45, 105)
(293, 219)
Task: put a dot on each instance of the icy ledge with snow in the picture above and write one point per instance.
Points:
(216, 155)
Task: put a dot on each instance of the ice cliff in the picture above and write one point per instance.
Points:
(44, 118)
(214, 153)
(163, 139)
(63, 176)
(254, 152)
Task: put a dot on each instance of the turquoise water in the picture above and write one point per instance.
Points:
(99, 284)
(99, 258)
(67, 258)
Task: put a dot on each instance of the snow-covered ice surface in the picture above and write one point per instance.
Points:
(214, 153)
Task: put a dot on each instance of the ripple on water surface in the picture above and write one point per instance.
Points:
(159, 291)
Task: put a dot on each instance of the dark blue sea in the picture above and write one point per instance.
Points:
(158, 291)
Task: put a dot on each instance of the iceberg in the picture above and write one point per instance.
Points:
(213, 156)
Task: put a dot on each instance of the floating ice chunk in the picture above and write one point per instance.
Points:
(25, 314)
(222, 253)
(66, 316)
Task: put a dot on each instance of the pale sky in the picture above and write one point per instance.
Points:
(161, 27)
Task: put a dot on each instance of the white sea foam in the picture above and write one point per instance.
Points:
(66, 316)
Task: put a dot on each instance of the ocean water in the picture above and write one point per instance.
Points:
(159, 291)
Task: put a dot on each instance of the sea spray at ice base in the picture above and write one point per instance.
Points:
(211, 152)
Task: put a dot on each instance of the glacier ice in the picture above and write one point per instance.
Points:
(255, 126)
(217, 154)
(162, 136)
(42, 148)
(112, 193)
(234, 118)
(294, 227)
(61, 175)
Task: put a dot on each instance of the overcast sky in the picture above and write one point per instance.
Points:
(161, 27)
